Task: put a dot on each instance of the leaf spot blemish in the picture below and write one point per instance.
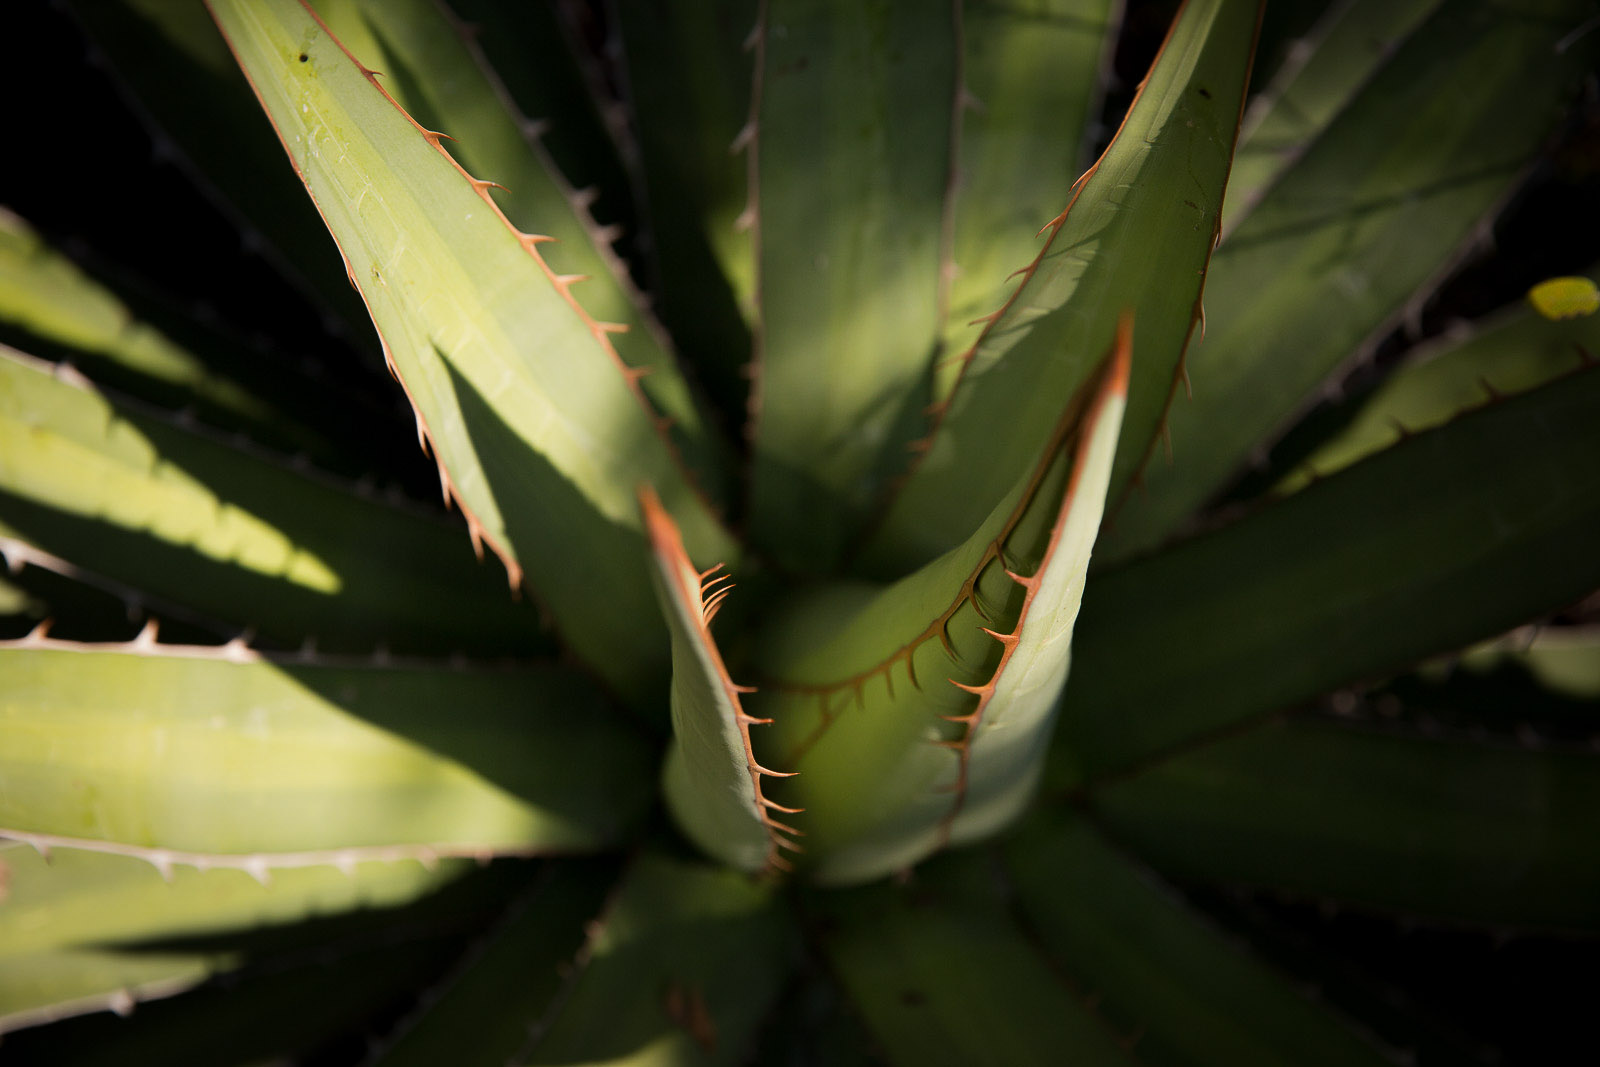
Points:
(304, 57)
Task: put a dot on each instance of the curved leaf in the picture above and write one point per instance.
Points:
(892, 763)
(712, 779)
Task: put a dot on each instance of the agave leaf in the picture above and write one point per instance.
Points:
(89, 931)
(893, 764)
(712, 779)
(433, 73)
(1455, 829)
(1031, 81)
(178, 68)
(506, 983)
(136, 340)
(1449, 537)
(1564, 660)
(1146, 213)
(943, 973)
(162, 510)
(681, 969)
(296, 989)
(1510, 354)
(541, 429)
(221, 757)
(1357, 232)
(688, 90)
(45, 294)
(539, 54)
(1195, 996)
(849, 175)
(1322, 73)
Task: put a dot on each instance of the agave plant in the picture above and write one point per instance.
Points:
(353, 788)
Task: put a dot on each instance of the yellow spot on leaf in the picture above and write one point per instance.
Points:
(1565, 298)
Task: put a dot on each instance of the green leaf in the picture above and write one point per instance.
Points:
(225, 758)
(688, 90)
(508, 981)
(1371, 216)
(712, 779)
(1144, 215)
(1564, 660)
(45, 294)
(432, 71)
(1030, 87)
(162, 510)
(1157, 965)
(89, 931)
(297, 983)
(891, 763)
(1465, 830)
(1510, 354)
(124, 335)
(943, 974)
(852, 154)
(1449, 537)
(1322, 73)
(681, 969)
(543, 432)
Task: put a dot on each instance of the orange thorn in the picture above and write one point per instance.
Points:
(483, 183)
(775, 806)
(567, 281)
(773, 774)
(612, 327)
(531, 239)
(975, 690)
(1004, 639)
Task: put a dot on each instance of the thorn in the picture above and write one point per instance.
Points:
(529, 240)
(41, 848)
(256, 867)
(975, 690)
(742, 139)
(162, 862)
(483, 185)
(476, 534)
(746, 220)
(346, 864)
(567, 281)
(121, 1002)
(1005, 639)
(609, 234)
(773, 774)
(775, 806)
(612, 327)
(584, 198)
(1188, 386)
(146, 640)
(533, 129)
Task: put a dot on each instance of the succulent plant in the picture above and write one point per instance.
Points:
(1062, 602)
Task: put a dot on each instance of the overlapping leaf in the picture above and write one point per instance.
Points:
(541, 428)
